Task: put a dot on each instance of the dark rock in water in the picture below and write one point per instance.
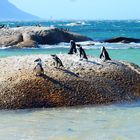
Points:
(122, 40)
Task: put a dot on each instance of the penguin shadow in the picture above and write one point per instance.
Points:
(111, 62)
(69, 72)
(55, 82)
(95, 63)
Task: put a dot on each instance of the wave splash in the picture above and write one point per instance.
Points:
(78, 23)
(97, 45)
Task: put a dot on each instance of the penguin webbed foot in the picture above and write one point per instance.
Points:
(39, 74)
(105, 60)
(58, 67)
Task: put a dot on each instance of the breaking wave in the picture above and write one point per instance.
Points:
(87, 45)
(95, 45)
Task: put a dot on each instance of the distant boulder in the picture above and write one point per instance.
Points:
(21, 36)
(10, 40)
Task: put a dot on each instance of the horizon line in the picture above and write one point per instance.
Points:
(6, 20)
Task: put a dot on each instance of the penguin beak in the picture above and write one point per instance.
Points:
(36, 60)
(52, 55)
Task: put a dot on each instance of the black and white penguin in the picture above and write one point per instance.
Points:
(72, 47)
(2, 26)
(104, 54)
(38, 70)
(57, 61)
(82, 52)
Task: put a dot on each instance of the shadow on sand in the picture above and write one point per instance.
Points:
(93, 62)
(114, 63)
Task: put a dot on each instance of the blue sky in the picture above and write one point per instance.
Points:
(81, 9)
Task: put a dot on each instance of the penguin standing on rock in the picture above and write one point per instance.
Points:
(72, 47)
(38, 70)
(82, 52)
(57, 61)
(104, 54)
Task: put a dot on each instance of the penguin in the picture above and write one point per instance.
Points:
(38, 68)
(2, 26)
(82, 52)
(72, 47)
(57, 61)
(104, 54)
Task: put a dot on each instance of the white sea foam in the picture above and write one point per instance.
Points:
(87, 45)
(4, 47)
(78, 23)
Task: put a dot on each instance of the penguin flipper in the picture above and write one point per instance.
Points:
(101, 55)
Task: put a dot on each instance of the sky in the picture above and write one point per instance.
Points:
(81, 9)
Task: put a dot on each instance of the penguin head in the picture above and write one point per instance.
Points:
(103, 48)
(53, 55)
(71, 41)
(38, 60)
(78, 45)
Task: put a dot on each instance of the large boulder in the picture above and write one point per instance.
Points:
(79, 83)
(40, 35)
(10, 40)
(122, 40)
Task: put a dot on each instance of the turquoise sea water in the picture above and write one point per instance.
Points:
(130, 55)
(114, 122)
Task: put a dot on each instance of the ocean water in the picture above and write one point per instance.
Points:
(130, 55)
(113, 122)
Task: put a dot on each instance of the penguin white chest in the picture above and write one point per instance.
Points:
(103, 54)
(38, 70)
